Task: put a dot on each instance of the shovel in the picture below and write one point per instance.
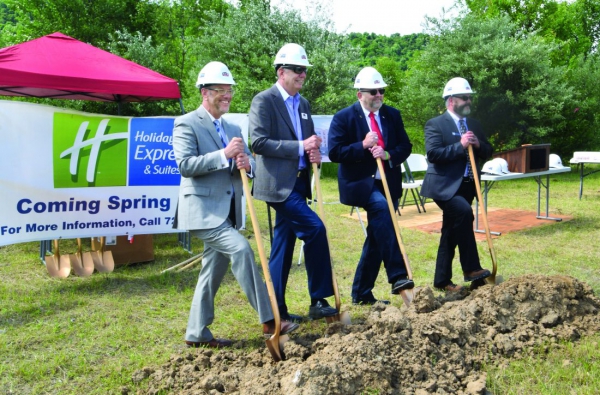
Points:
(188, 262)
(81, 266)
(103, 260)
(491, 279)
(58, 266)
(274, 343)
(407, 294)
(344, 317)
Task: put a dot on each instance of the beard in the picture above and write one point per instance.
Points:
(461, 109)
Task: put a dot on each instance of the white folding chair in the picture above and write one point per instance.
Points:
(414, 163)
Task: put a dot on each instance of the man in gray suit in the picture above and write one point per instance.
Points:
(450, 183)
(284, 140)
(210, 154)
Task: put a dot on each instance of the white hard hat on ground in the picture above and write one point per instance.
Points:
(492, 167)
(457, 86)
(555, 162)
(214, 73)
(503, 165)
(292, 54)
(369, 78)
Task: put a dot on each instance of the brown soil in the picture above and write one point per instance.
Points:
(438, 345)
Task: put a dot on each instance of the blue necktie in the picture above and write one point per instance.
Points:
(292, 103)
(463, 130)
(222, 135)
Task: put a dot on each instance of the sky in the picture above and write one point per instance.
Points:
(380, 16)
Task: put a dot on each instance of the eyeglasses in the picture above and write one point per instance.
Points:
(373, 92)
(222, 91)
(296, 69)
(465, 98)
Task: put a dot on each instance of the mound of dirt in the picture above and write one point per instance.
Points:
(438, 345)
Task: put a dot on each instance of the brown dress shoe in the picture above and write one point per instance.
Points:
(477, 275)
(453, 288)
(214, 343)
(286, 327)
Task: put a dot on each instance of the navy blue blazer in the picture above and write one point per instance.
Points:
(447, 157)
(356, 172)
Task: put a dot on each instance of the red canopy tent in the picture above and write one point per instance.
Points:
(58, 66)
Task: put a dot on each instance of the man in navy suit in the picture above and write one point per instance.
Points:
(450, 183)
(285, 144)
(358, 135)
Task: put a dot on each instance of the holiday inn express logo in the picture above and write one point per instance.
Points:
(89, 151)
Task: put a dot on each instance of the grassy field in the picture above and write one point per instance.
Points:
(88, 335)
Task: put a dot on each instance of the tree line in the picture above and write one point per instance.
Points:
(533, 63)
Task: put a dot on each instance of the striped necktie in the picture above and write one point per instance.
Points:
(469, 169)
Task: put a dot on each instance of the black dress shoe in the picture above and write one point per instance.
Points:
(477, 275)
(401, 285)
(321, 309)
(368, 301)
(291, 318)
(214, 343)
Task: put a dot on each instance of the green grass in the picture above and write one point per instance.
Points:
(88, 335)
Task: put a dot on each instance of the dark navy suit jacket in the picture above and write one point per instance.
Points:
(356, 172)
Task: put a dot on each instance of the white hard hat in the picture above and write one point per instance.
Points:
(292, 54)
(369, 78)
(503, 165)
(492, 167)
(457, 86)
(214, 73)
(555, 162)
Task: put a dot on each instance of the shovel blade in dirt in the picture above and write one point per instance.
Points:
(275, 346)
(103, 260)
(56, 265)
(82, 263)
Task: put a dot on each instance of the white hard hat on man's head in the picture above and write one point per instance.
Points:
(291, 54)
(457, 86)
(214, 73)
(554, 162)
(369, 78)
(492, 167)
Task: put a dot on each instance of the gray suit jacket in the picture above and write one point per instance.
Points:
(276, 144)
(447, 157)
(205, 189)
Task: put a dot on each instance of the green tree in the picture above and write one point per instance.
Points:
(247, 39)
(521, 97)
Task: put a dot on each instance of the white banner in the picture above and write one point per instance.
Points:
(69, 174)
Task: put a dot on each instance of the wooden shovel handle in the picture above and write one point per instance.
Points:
(491, 279)
(273, 344)
(388, 197)
(336, 291)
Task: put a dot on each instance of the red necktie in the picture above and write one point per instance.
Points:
(375, 128)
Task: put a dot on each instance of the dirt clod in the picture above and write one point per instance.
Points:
(438, 345)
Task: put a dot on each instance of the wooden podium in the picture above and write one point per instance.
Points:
(527, 158)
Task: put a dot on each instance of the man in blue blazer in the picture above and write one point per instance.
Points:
(285, 144)
(449, 182)
(210, 154)
(358, 135)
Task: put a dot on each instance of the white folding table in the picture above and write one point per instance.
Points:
(580, 159)
(489, 180)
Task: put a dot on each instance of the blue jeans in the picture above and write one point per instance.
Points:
(294, 219)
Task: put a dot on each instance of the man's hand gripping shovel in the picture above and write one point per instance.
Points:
(344, 317)
(274, 343)
(408, 294)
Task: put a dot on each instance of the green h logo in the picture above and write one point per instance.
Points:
(89, 151)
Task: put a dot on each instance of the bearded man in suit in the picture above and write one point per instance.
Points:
(285, 144)
(358, 136)
(450, 183)
(210, 155)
